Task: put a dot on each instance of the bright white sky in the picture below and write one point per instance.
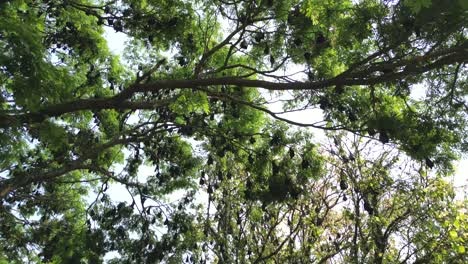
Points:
(116, 43)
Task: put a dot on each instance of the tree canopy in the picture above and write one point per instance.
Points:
(233, 179)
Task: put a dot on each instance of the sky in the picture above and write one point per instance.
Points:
(116, 43)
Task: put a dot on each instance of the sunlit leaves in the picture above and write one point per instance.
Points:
(204, 174)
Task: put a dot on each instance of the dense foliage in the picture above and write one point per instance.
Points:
(183, 125)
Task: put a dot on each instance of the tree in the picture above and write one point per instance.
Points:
(191, 100)
(362, 211)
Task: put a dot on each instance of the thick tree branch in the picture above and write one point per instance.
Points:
(9, 120)
(453, 55)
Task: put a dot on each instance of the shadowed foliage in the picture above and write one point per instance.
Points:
(232, 131)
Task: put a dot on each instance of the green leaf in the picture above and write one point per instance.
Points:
(417, 5)
(461, 249)
(453, 234)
